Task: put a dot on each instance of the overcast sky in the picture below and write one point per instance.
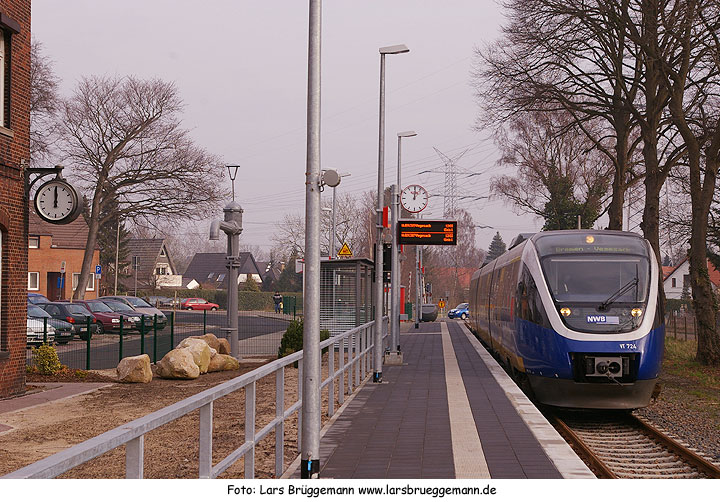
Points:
(241, 68)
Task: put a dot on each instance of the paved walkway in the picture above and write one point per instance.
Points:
(448, 412)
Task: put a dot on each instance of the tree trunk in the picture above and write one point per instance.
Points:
(87, 264)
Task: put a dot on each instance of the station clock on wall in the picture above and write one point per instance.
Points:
(57, 202)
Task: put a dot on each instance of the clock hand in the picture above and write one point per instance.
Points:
(55, 200)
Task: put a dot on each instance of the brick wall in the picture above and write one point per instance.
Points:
(14, 149)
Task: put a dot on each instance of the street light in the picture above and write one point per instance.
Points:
(395, 268)
(378, 350)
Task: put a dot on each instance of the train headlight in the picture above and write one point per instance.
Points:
(565, 311)
(636, 312)
(589, 239)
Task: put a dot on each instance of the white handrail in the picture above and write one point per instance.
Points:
(132, 433)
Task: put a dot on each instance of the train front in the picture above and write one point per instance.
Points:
(607, 325)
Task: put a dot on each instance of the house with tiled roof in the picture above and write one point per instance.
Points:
(151, 261)
(49, 247)
(209, 269)
(675, 280)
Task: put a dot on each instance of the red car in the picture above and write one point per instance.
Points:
(107, 319)
(198, 304)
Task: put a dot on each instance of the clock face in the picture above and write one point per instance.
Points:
(56, 201)
(414, 198)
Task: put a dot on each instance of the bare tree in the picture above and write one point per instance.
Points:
(559, 174)
(44, 104)
(123, 140)
(693, 83)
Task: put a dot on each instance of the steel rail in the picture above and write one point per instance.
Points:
(587, 454)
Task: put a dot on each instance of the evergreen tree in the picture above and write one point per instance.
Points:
(251, 285)
(289, 280)
(666, 261)
(497, 247)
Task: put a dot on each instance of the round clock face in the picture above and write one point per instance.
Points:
(414, 198)
(56, 201)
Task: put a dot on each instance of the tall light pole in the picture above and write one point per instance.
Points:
(378, 349)
(395, 268)
(311, 378)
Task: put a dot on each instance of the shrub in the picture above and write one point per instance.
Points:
(292, 340)
(46, 360)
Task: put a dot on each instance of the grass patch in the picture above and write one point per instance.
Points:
(682, 373)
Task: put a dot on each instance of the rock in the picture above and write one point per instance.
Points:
(135, 369)
(223, 362)
(224, 346)
(178, 364)
(210, 339)
(200, 351)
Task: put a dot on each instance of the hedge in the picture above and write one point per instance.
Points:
(247, 300)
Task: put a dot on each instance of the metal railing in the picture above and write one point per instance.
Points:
(354, 364)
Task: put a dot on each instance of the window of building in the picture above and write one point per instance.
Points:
(162, 252)
(221, 277)
(162, 270)
(210, 275)
(674, 281)
(33, 242)
(2, 255)
(91, 282)
(3, 87)
(33, 281)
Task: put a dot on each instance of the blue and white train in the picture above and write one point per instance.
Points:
(576, 316)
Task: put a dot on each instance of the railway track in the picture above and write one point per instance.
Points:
(619, 445)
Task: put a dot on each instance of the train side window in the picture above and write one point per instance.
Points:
(535, 312)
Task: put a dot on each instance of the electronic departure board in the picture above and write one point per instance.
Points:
(427, 232)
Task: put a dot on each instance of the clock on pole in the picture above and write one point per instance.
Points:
(414, 198)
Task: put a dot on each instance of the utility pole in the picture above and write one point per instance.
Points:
(117, 254)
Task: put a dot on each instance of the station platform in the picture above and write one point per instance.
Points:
(450, 412)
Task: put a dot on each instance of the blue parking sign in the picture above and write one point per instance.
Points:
(98, 269)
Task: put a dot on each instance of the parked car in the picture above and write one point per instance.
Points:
(74, 313)
(107, 319)
(36, 298)
(198, 304)
(36, 334)
(127, 311)
(63, 329)
(163, 302)
(460, 312)
(140, 305)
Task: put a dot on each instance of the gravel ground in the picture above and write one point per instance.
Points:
(688, 417)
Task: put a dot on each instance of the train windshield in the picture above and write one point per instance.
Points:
(600, 279)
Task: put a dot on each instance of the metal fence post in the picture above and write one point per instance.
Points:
(204, 322)
(341, 367)
(685, 326)
(44, 330)
(331, 384)
(142, 334)
(155, 339)
(87, 350)
(121, 339)
(250, 430)
(280, 427)
(205, 437)
(172, 329)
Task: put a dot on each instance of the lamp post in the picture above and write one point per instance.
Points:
(378, 349)
(395, 268)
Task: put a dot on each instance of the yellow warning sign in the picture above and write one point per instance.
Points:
(345, 251)
(441, 304)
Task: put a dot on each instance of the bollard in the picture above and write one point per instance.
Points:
(44, 330)
(155, 339)
(204, 322)
(142, 334)
(121, 338)
(172, 329)
(87, 350)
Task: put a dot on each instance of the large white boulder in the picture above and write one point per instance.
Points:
(200, 351)
(223, 362)
(134, 369)
(210, 339)
(178, 364)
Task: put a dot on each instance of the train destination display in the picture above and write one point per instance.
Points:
(427, 232)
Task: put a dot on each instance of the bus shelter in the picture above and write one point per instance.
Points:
(345, 294)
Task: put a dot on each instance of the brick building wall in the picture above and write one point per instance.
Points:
(14, 153)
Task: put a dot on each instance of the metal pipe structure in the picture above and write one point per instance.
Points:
(395, 268)
(311, 375)
(333, 252)
(379, 289)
